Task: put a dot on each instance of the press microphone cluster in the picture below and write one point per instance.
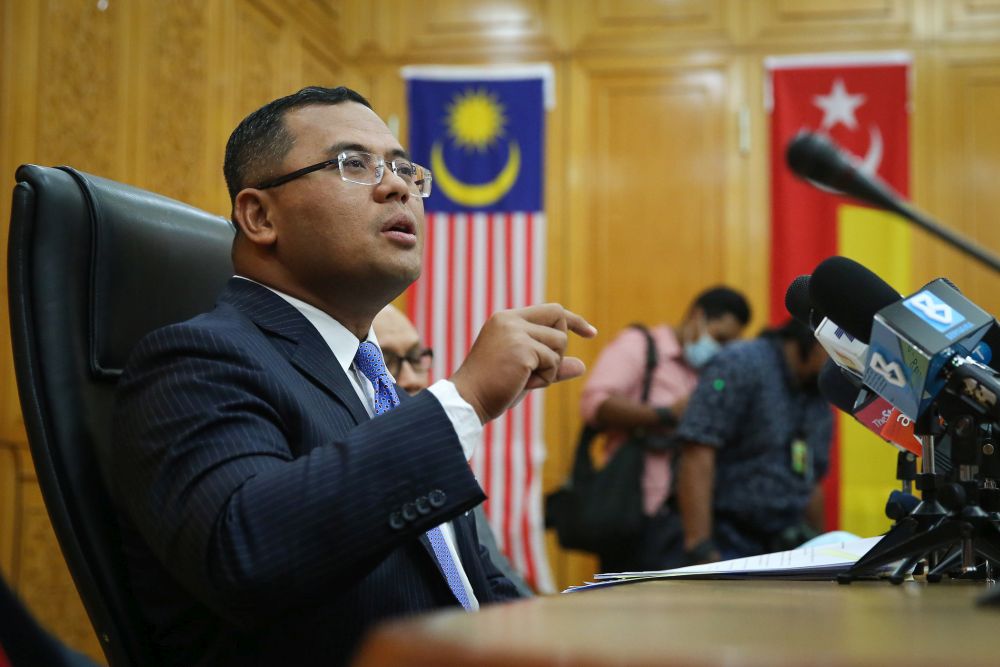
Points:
(919, 346)
(912, 369)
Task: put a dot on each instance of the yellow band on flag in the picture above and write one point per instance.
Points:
(882, 242)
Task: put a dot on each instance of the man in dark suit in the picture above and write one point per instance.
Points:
(268, 517)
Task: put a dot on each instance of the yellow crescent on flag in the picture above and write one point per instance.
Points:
(479, 194)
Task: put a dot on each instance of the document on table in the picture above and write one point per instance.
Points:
(812, 563)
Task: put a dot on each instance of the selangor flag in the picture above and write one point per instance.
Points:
(480, 131)
(861, 101)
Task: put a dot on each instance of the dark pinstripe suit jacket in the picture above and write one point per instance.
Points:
(267, 520)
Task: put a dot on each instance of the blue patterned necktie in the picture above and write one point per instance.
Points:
(369, 361)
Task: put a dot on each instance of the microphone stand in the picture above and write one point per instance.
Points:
(906, 473)
(966, 531)
(926, 514)
(970, 441)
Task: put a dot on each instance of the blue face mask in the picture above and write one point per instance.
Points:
(701, 351)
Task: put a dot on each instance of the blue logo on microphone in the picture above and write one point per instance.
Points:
(935, 312)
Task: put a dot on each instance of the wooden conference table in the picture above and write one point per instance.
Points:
(709, 624)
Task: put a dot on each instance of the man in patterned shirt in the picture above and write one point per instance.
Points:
(755, 445)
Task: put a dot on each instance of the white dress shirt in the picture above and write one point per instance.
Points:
(463, 417)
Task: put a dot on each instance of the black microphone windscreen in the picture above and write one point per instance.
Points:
(837, 388)
(798, 303)
(850, 295)
(813, 156)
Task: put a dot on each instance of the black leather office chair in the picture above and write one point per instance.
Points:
(93, 265)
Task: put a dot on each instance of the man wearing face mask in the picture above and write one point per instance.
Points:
(755, 445)
(611, 401)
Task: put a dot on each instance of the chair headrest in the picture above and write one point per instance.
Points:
(175, 257)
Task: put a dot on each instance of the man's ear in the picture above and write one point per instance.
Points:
(252, 214)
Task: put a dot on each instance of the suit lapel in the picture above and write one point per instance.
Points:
(310, 354)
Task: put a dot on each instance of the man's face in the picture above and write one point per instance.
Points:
(724, 328)
(332, 233)
(701, 338)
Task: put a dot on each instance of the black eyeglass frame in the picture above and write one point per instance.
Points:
(298, 173)
(425, 352)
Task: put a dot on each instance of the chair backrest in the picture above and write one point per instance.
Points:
(27, 644)
(93, 265)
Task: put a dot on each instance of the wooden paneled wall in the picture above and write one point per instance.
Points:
(655, 186)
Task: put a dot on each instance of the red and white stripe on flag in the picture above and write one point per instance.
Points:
(474, 265)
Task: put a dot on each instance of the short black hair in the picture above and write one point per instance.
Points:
(261, 140)
(720, 300)
(795, 331)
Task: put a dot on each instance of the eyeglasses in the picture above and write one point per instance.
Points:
(365, 169)
(419, 360)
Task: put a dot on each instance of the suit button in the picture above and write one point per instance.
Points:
(396, 521)
(423, 505)
(437, 498)
(409, 511)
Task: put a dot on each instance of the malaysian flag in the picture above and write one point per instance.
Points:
(481, 132)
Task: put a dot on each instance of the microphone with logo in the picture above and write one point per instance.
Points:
(845, 350)
(878, 416)
(869, 409)
(848, 356)
(918, 346)
(840, 383)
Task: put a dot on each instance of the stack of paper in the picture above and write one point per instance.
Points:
(812, 563)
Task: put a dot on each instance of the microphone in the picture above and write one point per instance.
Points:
(850, 294)
(815, 157)
(918, 346)
(800, 306)
(848, 352)
(868, 409)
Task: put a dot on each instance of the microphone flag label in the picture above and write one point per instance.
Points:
(481, 132)
(861, 102)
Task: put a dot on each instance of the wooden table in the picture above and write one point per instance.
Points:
(709, 623)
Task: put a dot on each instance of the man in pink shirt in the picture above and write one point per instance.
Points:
(612, 401)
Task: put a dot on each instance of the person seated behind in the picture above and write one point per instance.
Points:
(276, 495)
(612, 393)
(755, 447)
(409, 363)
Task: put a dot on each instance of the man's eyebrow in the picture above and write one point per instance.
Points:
(337, 149)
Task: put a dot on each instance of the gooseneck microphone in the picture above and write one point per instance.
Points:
(814, 157)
